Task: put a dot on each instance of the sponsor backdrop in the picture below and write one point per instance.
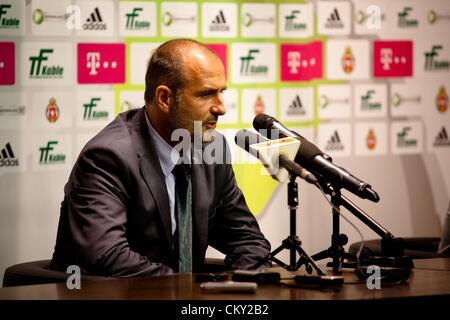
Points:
(367, 81)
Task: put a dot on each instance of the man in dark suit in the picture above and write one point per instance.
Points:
(119, 215)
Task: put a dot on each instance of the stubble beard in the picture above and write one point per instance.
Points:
(181, 119)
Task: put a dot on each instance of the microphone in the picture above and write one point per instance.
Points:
(247, 140)
(313, 159)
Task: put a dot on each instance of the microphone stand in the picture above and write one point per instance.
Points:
(338, 240)
(391, 246)
(292, 242)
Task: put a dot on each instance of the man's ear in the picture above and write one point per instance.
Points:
(163, 98)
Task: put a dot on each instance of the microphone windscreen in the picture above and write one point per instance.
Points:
(244, 138)
(263, 121)
(306, 153)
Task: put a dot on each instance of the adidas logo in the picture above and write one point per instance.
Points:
(7, 158)
(335, 142)
(296, 107)
(441, 139)
(219, 23)
(94, 21)
(95, 16)
(334, 20)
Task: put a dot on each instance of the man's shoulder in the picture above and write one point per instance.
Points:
(116, 134)
(111, 152)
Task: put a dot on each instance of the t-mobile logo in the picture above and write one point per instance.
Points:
(7, 65)
(93, 63)
(386, 58)
(301, 62)
(392, 58)
(294, 61)
(101, 63)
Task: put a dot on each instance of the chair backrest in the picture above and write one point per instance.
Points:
(37, 272)
(415, 247)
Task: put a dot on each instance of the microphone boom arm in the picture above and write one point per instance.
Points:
(390, 245)
(353, 208)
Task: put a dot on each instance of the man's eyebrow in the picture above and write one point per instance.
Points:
(211, 89)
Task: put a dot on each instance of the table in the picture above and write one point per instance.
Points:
(179, 297)
(430, 278)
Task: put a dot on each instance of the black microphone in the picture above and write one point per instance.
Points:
(297, 169)
(244, 138)
(314, 160)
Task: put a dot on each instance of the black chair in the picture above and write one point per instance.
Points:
(415, 247)
(38, 272)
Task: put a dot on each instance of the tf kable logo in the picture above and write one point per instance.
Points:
(6, 21)
(248, 68)
(134, 23)
(41, 69)
(48, 157)
(433, 61)
(90, 112)
(101, 63)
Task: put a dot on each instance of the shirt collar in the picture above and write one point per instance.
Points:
(163, 149)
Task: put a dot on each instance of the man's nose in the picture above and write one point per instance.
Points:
(218, 108)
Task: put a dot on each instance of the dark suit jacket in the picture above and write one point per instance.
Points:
(115, 217)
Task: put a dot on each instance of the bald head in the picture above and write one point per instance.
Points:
(170, 65)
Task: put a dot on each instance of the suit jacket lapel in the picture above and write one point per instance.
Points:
(151, 169)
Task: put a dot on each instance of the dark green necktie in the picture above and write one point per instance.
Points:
(183, 205)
